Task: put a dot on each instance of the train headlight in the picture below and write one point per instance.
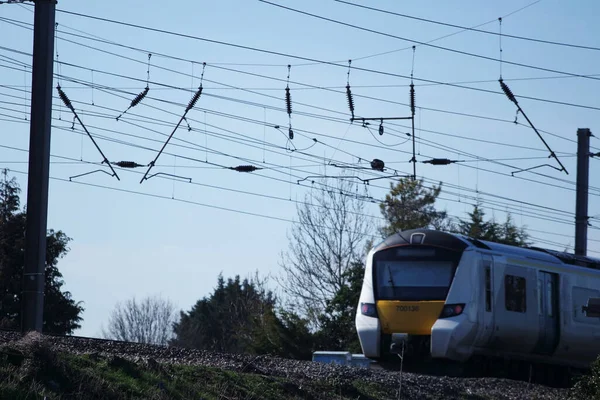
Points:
(368, 309)
(452, 310)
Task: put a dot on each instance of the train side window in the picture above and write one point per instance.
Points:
(515, 298)
(488, 289)
(580, 296)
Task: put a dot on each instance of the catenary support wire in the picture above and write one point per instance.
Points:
(69, 105)
(187, 109)
(512, 98)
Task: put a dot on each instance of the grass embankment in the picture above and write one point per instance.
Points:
(32, 370)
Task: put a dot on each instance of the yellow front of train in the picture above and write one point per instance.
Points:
(404, 292)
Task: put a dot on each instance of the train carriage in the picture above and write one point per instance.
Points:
(448, 296)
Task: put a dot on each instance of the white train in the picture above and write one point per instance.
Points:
(455, 297)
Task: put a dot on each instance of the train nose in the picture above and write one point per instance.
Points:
(408, 317)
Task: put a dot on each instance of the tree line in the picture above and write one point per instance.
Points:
(317, 291)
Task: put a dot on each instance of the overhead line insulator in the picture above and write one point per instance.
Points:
(194, 99)
(412, 98)
(350, 100)
(288, 100)
(127, 164)
(507, 91)
(439, 161)
(245, 168)
(64, 98)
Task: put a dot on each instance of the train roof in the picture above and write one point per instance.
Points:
(460, 242)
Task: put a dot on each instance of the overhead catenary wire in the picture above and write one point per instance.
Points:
(453, 33)
(512, 98)
(69, 105)
(262, 195)
(424, 108)
(190, 105)
(277, 53)
(190, 202)
(140, 96)
(358, 58)
(316, 87)
(65, 129)
(245, 192)
(427, 44)
(501, 173)
(430, 131)
(525, 38)
(183, 157)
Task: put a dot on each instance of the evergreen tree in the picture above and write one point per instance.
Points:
(62, 314)
(410, 205)
(240, 317)
(506, 233)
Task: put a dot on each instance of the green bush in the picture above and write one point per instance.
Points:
(588, 387)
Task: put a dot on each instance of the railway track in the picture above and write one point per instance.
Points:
(484, 367)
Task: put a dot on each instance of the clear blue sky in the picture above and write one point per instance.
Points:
(127, 244)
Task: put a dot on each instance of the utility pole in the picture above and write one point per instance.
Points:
(32, 299)
(581, 205)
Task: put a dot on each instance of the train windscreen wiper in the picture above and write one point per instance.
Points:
(391, 280)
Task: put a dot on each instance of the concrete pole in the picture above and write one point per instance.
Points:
(32, 300)
(581, 205)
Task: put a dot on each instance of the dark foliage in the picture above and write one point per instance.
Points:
(506, 233)
(588, 387)
(410, 205)
(62, 314)
(240, 317)
(338, 331)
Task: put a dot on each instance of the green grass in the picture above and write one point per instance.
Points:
(31, 370)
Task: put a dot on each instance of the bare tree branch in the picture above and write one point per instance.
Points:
(329, 236)
(148, 321)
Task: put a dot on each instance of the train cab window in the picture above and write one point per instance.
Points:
(488, 289)
(414, 273)
(515, 298)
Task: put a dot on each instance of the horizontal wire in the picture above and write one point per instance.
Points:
(447, 199)
(248, 193)
(504, 35)
(187, 202)
(518, 177)
(464, 53)
(494, 171)
(299, 83)
(271, 52)
(261, 195)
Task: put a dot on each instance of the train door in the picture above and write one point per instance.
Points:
(486, 282)
(548, 312)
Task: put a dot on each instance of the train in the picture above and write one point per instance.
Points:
(446, 296)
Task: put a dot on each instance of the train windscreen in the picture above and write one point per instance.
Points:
(414, 274)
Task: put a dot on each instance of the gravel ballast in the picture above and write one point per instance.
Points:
(413, 386)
